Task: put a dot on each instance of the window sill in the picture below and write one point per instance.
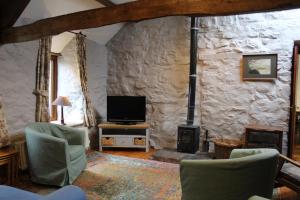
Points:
(71, 124)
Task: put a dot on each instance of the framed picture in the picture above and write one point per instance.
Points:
(259, 67)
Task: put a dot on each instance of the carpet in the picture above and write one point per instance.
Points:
(121, 178)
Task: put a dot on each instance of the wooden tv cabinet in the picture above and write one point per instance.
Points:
(126, 136)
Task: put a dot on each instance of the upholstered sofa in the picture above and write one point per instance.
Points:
(66, 193)
(56, 153)
(248, 172)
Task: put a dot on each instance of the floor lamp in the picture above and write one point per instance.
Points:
(62, 101)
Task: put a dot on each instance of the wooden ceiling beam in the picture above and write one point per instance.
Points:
(10, 11)
(106, 3)
(137, 11)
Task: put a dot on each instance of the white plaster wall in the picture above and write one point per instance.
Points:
(97, 75)
(228, 103)
(69, 83)
(17, 81)
(151, 58)
(69, 79)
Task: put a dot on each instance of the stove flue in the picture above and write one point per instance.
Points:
(188, 134)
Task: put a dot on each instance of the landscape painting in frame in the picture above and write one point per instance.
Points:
(259, 67)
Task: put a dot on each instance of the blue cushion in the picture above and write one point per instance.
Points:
(10, 193)
(70, 192)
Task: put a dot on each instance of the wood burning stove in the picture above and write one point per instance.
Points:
(188, 138)
(188, 135)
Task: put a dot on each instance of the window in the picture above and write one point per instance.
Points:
(53, 86)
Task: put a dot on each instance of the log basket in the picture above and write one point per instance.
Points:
(223, 147)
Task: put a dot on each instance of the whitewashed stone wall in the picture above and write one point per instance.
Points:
(69, 79)
(17, 80)
(69, 83)
(228, 103)
(151, 58)
(97, 75)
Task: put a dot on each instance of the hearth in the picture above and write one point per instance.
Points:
(189, 135)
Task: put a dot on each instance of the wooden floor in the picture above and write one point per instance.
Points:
(133, 153)
(297, 153)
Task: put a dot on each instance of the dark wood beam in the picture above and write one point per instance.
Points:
(106, 3)
(140, 10)
(10, 11)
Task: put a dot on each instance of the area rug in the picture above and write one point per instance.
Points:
(121, 178)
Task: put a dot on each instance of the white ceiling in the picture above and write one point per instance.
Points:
(41, 9)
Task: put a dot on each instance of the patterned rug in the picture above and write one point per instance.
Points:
(122, 178)
(110, 177)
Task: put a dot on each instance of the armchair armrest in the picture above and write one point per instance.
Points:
(288, 173)
(286, 159)
(74, 136)
(240, 153)
(70, 192)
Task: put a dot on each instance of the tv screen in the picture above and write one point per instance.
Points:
(126, 109)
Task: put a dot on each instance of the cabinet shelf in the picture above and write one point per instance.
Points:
(124, 136)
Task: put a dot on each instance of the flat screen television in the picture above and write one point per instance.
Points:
(126, 109)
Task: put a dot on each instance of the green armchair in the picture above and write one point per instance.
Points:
(248, 172)
(56, 153)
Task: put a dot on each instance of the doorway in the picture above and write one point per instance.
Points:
(294, 136)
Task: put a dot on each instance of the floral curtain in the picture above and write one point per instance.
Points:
(42, 80)
(89, 115)
(4, 138)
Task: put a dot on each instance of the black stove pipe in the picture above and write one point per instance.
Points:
(193, 70)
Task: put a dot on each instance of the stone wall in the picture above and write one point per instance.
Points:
(227, 102)
(17, 80)
(97, 75)
(151, 58)
(69, 79)
(69, 83)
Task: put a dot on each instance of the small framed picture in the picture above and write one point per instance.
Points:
(259, 67)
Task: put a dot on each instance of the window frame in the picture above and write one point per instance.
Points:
(54, 84)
